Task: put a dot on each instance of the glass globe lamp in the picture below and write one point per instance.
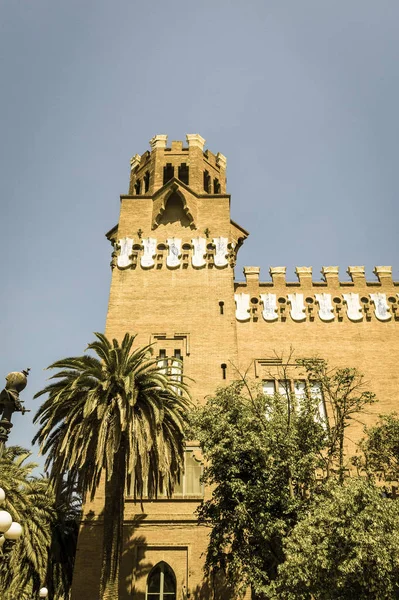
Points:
(43, 593)
(13, 532)
(5, 521)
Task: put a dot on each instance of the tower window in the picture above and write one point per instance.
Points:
(146, 181)
(168, 173)
(137, 187)
(172, 366)
(163, 361)
(176, 371)
(207, 182)
(224, 367)
(216, 186)
(221, 307)
(183, 173)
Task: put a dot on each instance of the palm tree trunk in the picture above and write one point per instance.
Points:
(113, 527)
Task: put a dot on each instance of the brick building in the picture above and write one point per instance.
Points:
(175, 249)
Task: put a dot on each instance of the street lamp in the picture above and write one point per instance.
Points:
(11, 403)
(43, 593)
(9, 529)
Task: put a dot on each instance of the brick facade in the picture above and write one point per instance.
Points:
(183, 298)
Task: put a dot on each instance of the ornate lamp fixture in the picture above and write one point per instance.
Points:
(11, 403)
(9, 529)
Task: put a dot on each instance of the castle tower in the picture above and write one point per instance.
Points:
(175, 247)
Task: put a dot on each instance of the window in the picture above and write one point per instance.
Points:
(216, 186)
(168, 172)
(190, 485)
(207, 182)
(183, 173)
(176, 370)
(163, 361)
(269, 387)
(161, 583)
(146, 181)
(190, 481)
(300, 388)
(137, 187)
(316, 392)
(172, 366)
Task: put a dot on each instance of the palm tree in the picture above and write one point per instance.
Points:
(119, 415)
(30, 501)
(64, 537)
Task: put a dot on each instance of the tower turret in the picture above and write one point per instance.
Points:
(203, 171)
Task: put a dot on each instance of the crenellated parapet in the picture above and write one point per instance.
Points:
(202, 170)
(327, 300)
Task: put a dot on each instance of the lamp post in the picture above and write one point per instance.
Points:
(9, 529)
(11, 403)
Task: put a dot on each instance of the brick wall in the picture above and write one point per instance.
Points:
(180, 308)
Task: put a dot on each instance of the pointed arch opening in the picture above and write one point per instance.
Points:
(161, 583)
(174, 211)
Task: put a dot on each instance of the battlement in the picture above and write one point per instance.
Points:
(203, 171)
(331, 299)
(330, 277)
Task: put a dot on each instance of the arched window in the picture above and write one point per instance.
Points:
(174, 212)
(161, 583)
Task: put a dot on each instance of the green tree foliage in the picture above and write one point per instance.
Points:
(30, 501)
(263, 458)
(346, 398)
(345, 547)
(115, 414)
(381, 448)
(266, 459)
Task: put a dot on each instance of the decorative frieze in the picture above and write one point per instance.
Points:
(149, 252)
(381, 309)
(353, 310)
(297, 311)
(199, 251)
(124, 257)
(326, 310)
(221, 251)
(269, 302)
(174, 253)
(217, 254)
(242, 307)
(329, 308)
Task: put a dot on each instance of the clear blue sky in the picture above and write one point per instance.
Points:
(301, 96)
